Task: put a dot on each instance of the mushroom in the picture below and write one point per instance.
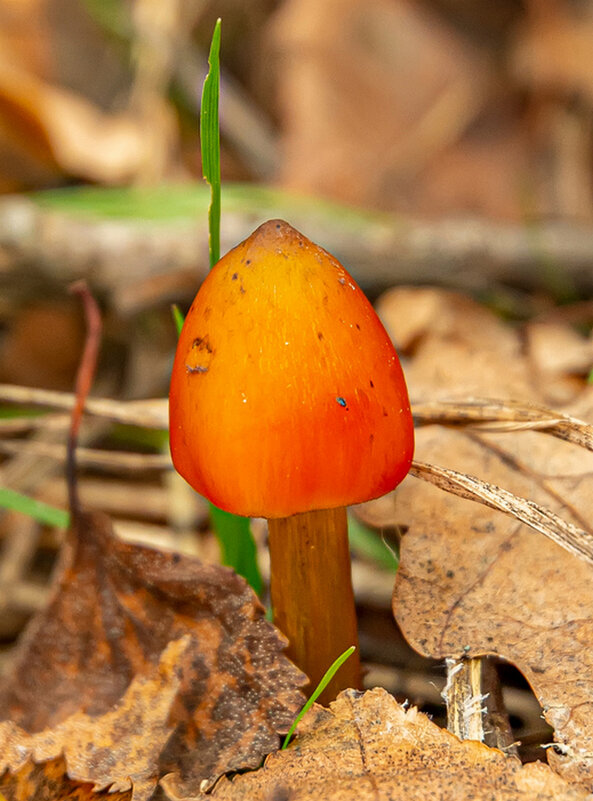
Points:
(288, 402)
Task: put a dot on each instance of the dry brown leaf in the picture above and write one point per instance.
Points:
(49, 781)
(65, 131)
(393, 89)
(553, 48)
(114, 609)
(561, 359)
(370, 747)
(472, 581)
(109, 751)
(459, 349)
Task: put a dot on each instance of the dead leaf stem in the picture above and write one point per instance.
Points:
(84, 380)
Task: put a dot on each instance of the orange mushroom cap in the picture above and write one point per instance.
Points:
(287, 394)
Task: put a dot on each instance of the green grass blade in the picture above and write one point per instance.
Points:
(210, 142)
(238, 549)
(368, 544)
(327, 677)
(178, 318)
(42, 512)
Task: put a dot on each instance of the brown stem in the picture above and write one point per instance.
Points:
(312, 596)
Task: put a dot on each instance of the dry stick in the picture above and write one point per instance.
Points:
(112, 461)
(502, 416)
(475, 708)
(151, 413)
(310, 550)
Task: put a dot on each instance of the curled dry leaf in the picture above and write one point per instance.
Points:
(49, 781)
(472, 581)
(114, 609)
(370, 747)
(110, 751)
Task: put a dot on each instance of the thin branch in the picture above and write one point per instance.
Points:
(150, 413)
(114, 461)
(488, 414)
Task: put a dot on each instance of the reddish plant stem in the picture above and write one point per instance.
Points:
(84, 380)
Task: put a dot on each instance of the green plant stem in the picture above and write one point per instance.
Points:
(210, 142)
(237, 546)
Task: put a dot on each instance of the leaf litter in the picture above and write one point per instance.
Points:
(480, 359)
(471, 581)
(367, 746)
(144, 664)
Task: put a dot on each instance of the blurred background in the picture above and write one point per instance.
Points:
(423, 106)
(476, 116)
(437, 142)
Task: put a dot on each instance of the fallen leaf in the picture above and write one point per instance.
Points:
(393, 88)
(114, 609)
(109, 751)
(49, 781)
(370, 747)
(472, 581)
(64, 131)
(552, 49)
(457, 347)
(562, 359)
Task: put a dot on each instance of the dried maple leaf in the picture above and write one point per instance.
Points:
(114, 609)
(472, 581)
(370, 747)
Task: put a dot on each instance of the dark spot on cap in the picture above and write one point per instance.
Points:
(450, 573)
(358, 326)
(176, 558)
(242, 289)
(371, 438)
(202, 343)
(325, 300)
(319, 336)
(278, 226)
(385, 412)
(247, 261)
(198, 369)
(235, 276)
(371, 384)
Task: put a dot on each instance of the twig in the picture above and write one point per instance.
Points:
(490, 414)
(145, 413)
(115, 461)
(445, 252)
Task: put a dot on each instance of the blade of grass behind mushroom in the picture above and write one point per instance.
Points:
(237, 546)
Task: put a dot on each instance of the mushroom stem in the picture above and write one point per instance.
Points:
(312, 595)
